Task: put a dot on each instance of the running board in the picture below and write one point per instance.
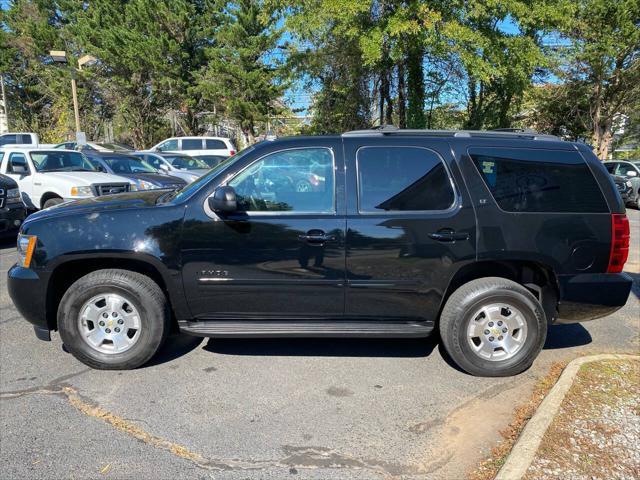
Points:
(310, 328)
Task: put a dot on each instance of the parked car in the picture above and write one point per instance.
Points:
(93, 146)
(197, 146)
(135, 169)
(19, 138)
(12, 210)
(625, 188)
(175, 164)
(49, 177)
(631, 171)
(485, 237)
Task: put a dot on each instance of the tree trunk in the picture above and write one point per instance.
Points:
(415, 88)
(402, 105)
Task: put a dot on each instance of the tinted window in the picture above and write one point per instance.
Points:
(191, 144)
(61, 161)
(26, 139)
(402, 179)
(215, 144)
(523, 180)
(168, 145)
(299, 180)
(610, 166)
(8, 139)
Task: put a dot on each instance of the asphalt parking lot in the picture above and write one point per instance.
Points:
(290, 408)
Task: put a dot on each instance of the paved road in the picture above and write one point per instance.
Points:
(274, 409)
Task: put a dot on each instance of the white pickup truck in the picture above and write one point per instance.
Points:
(49, 177)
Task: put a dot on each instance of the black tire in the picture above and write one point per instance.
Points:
(470, 297)
(52, 201)
(150, 302)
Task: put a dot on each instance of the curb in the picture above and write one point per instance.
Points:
(526, 447)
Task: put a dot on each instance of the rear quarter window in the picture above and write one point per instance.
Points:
(529, 180)
(215, 144)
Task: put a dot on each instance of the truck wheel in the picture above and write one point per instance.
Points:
(493, 327)
(113, 319)
(52, 201)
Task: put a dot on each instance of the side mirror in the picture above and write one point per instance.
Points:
(19, 166)
(632, 173)
(223, 200)
(164, 167)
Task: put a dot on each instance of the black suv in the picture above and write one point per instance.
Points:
(486, 237)
(12, 209)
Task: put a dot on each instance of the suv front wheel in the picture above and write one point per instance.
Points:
(493, 327)
(113, 319)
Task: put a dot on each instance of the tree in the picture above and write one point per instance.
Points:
(241, 79)
(146, 49)
(602, 63)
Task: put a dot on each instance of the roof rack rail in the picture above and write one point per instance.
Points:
(499, 133)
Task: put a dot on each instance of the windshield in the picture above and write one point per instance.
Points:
(194, 186)
(59, 161)
(122, 164)
(184, 162)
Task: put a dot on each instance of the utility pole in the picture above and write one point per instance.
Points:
(74, 93)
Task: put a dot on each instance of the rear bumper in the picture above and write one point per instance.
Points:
(28, 291)
(591, 295)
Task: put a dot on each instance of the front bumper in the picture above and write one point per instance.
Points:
(11, 217)
(28, 291)
(589, 296)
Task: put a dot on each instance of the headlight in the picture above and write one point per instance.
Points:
(84, 191)
(629, 184)
(13, 196)
(142, 185)
(26, 246)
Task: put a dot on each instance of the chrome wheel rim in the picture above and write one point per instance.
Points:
(497, 332)
(109, 323)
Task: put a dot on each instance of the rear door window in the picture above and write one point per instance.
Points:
(402, 179)
(529, 180)
(191, 144)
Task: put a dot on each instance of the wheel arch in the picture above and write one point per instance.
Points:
(64, 274)
(536, 277)
(47, 196)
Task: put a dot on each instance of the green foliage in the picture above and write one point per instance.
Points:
(172, 65)
(238, 80)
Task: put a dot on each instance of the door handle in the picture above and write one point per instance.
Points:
(316, 237)
(447, 235)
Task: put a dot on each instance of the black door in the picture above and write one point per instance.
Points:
(282, 253)
(409, 226)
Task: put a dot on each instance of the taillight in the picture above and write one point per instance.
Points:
(619, 242)
(232, 153)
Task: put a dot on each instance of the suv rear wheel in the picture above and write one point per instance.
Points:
(113, 319)
(493, 327)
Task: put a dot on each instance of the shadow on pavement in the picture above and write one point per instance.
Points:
(567, 336)
(323, 347)
(176, 346)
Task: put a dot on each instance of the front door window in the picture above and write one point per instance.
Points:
(298, 180)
